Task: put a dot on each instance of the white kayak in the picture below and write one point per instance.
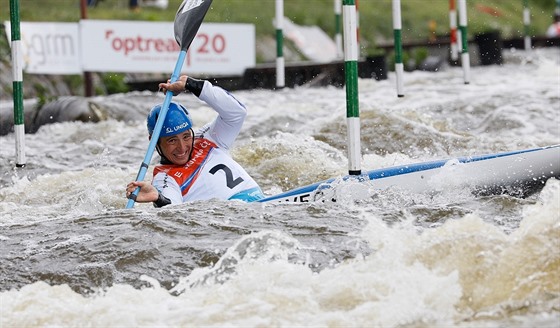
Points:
(518, 173)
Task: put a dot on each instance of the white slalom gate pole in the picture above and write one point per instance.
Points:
(453, 31)
(397, 27)
(351, 75)
(465, 58)
(280, 64)
(17, 83)
(526, 25)
(338, 35)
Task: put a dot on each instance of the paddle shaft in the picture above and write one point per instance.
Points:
(157, 129)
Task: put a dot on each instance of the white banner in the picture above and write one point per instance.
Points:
(134, 47)
(123, 46)
(49, 48)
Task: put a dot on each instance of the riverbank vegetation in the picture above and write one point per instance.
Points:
(421, 19)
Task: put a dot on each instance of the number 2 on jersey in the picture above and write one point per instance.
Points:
(231, 183)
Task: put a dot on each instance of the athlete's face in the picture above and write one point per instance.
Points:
(177, 148)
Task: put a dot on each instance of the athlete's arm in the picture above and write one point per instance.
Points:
(147, 192)
(231, 113)
(169, 192)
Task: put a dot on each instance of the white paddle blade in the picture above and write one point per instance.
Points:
(188, 19)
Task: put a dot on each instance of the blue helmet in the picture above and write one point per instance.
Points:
(177, 120)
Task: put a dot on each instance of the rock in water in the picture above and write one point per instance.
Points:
(64, 109)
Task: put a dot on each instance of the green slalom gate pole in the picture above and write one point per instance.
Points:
(526, 25)
(17, 73)
(397, 27)
(454, 47)
(351, 77)
(280, 64)
(465, 58)
(338, 34)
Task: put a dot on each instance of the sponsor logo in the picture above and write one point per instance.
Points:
(181, 126)
(177, 127)
(48, 46)
(140, 44)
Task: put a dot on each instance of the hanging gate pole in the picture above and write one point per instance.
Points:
(280, 64)
(88, 84)
(465, 58)
(17, 73)
(351, 76)
(453, 31)
(397, 27)
(526, 25)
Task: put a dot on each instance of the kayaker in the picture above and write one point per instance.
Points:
(197, 166)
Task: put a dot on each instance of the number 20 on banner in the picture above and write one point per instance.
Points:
(208, 46)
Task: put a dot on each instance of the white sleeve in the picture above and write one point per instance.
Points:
(231, 115)
(168, 187)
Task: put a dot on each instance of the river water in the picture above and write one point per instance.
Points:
(73, 256)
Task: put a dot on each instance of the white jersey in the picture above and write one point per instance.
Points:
(211, 172)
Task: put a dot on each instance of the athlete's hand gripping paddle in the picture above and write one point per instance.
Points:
(187, 22)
